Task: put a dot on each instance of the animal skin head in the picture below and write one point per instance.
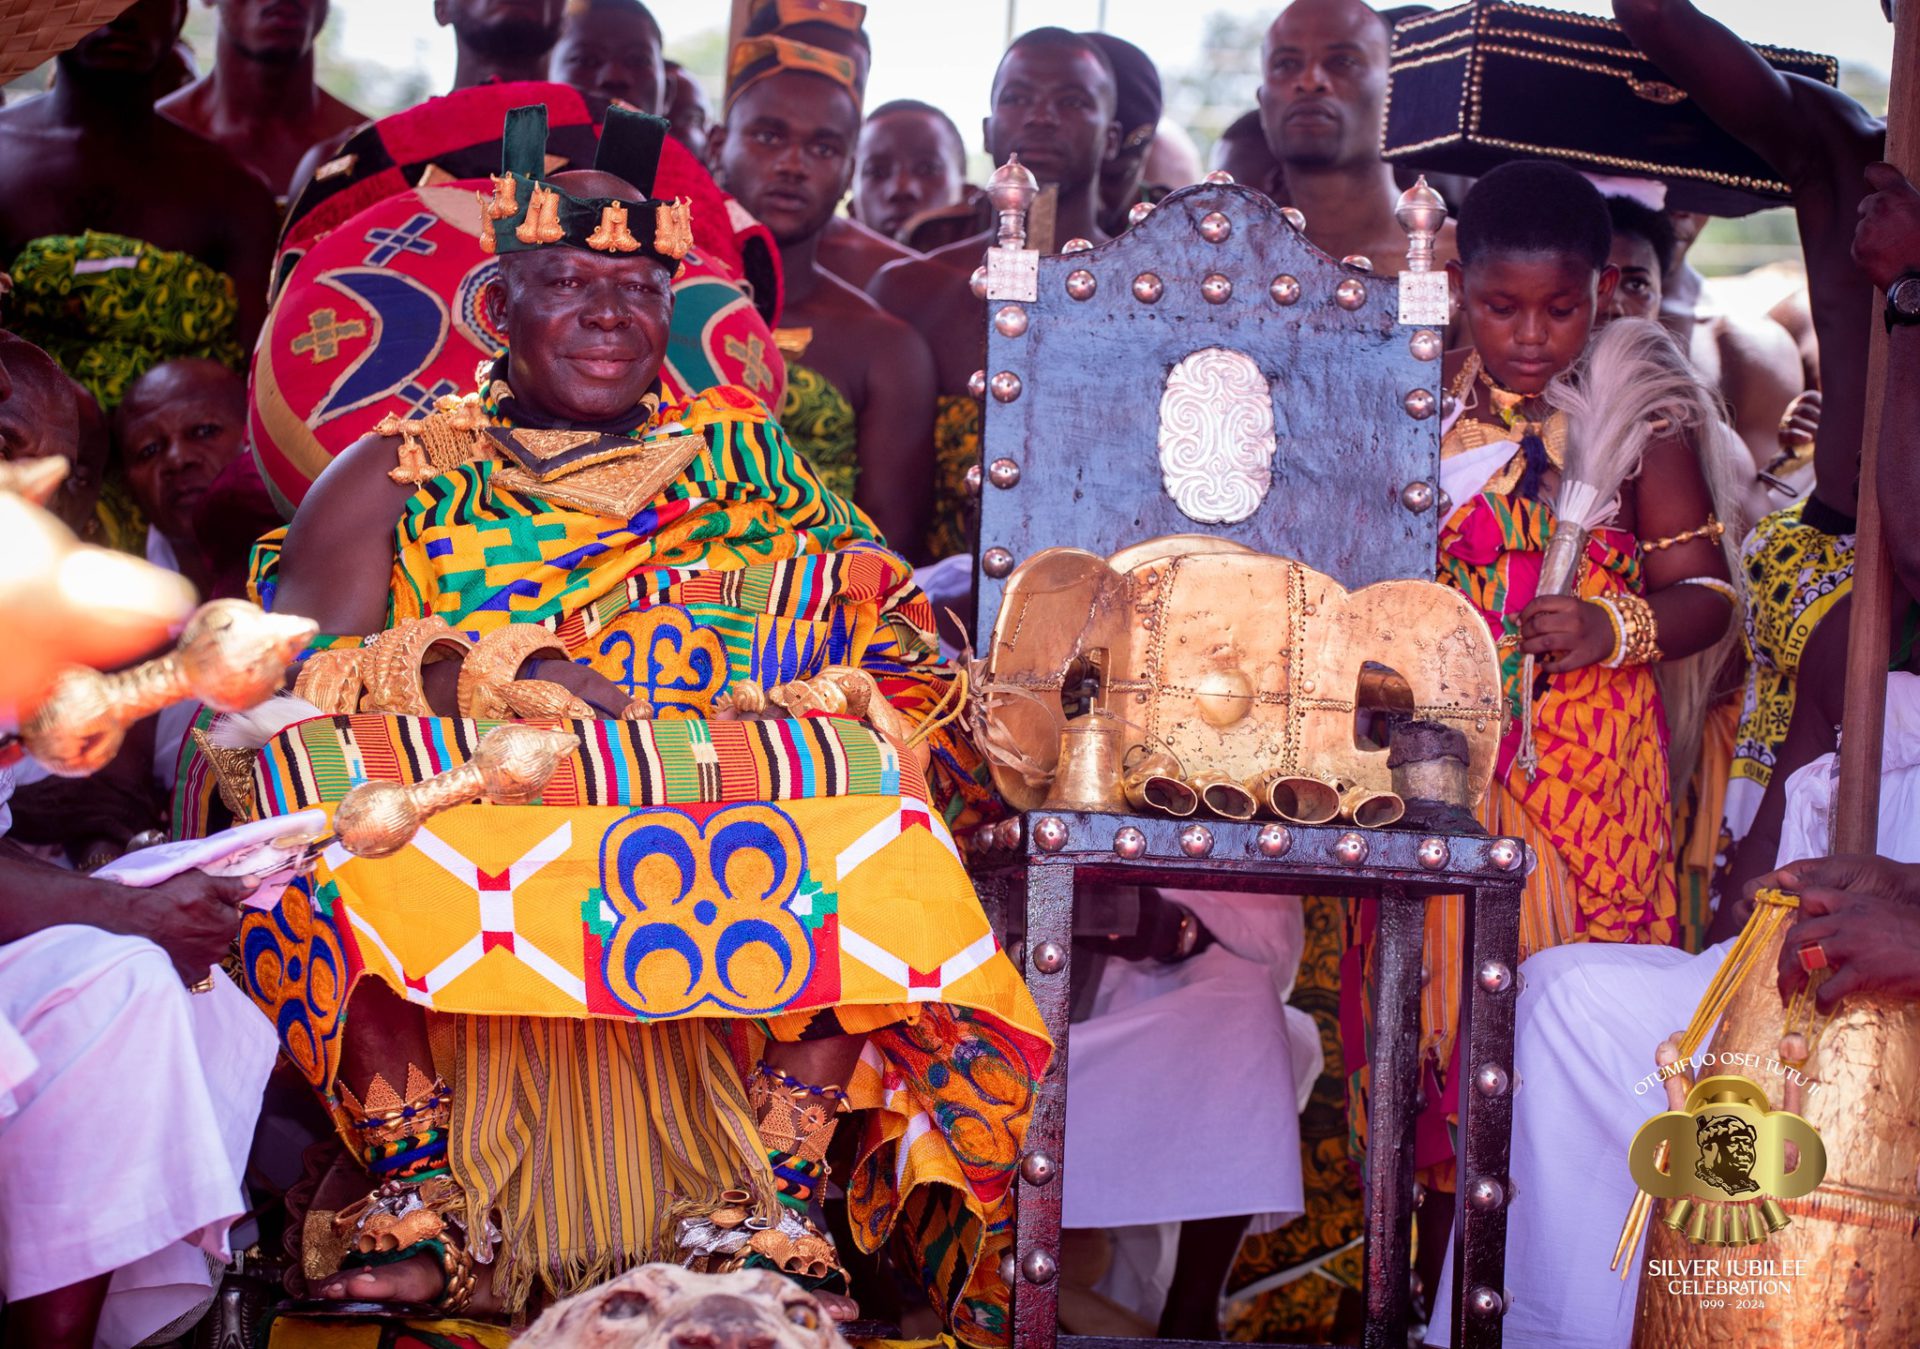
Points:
(666, 1307)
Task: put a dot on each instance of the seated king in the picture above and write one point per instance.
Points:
(621, 1022)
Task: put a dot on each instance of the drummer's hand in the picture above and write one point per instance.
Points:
(604, 696)
(1864, 915)
(1565, 633)
(1861, 873)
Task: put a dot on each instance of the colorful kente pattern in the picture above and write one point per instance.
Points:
(1601, 793)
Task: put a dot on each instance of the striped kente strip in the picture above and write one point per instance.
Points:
(674, 762)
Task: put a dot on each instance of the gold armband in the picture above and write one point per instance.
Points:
(1710, 531)
(331, 680)
(392, 663)
(493, 669)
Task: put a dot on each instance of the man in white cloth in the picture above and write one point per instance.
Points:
(1212, 1032)
(1591, 1017)
(127, 1103)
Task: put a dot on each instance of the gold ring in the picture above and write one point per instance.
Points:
(204, 986)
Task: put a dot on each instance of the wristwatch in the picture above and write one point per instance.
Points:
(1903, 301)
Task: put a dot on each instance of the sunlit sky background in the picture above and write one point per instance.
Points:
(943, 51)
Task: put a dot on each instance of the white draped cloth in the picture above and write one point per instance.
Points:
(1184, 1091)
(127, 1107)
(1589, 1020)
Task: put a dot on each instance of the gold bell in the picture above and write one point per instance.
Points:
(1153, 784)
(542, 225)
(1370, 809)
(1677, 1213)
(611, 235)
(1088, 775)
(1224, 796)
(1302, 800)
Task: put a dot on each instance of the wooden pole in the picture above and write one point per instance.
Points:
(1863, 727)
(736, 29)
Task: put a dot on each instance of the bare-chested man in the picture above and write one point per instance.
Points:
(1818, 140)
(686, 110)
(1754, 364)
(493, 40)
(1053, 105)
(91, 154)
(612, 48)
(500, 39)
(859, 400)
(1322, 99)
(261, 101)
(1799, 560)
(912, 160)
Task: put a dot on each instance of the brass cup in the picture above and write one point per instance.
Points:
(1302, 800)
(1370, 809)
(1088, 775)
(1224, 796)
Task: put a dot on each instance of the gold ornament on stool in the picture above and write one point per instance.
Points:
(510, 767)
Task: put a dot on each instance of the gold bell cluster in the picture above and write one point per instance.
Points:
(1715, 1223)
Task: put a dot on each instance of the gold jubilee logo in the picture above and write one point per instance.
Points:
(1726, 1161)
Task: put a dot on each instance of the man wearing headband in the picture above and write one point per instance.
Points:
(1053, 104)
(859, 400)
(562, 545)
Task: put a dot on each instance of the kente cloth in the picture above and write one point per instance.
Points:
(1798, 568)
(754, 59)
(128, 1142)
(586, 1138)
(823, 426)
(1588, 1022)
(956, 448)
(1597, 813)
(380, 278)
(743, 567)
(109, 308)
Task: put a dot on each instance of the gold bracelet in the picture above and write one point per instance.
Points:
(1605, 605)
(495, 663)
(331, 680)
(393, 662)
(1641, 630)
(1711, 530)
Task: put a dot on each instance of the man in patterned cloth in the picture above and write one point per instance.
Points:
(758, 960)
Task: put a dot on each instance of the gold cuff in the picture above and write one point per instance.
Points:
(391, 664)
(495, 663)
(1639, 631)
(331, 681)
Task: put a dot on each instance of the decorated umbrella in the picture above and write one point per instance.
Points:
(380, 275)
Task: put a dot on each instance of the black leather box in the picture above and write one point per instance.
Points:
(1482, 83)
